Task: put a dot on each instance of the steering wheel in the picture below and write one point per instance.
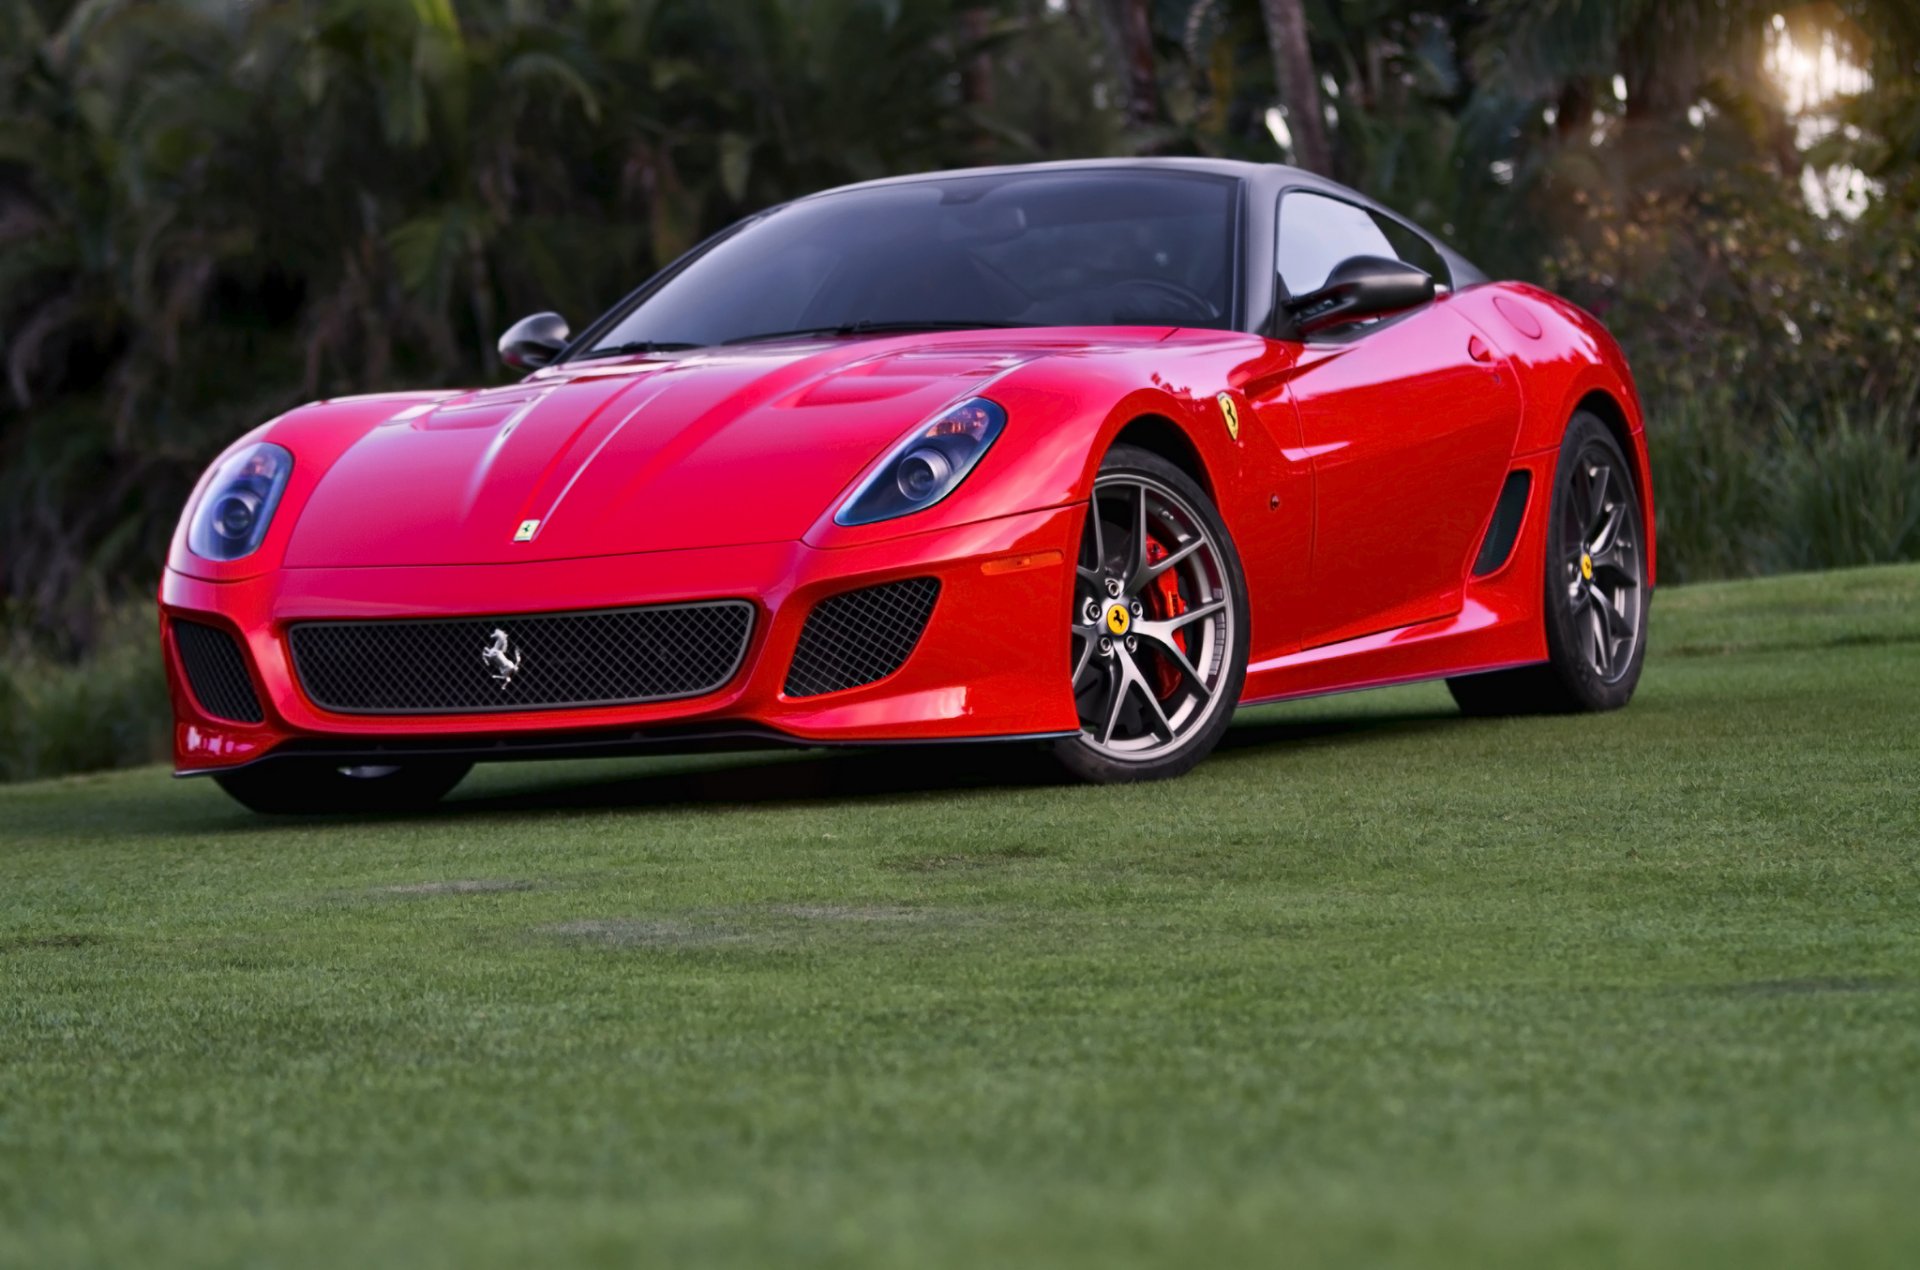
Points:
(1188, 305)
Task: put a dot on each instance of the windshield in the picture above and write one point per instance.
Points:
(1086, 248)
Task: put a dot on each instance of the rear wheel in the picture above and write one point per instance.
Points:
(314, 786)
(1596, 590)
(1158, 632)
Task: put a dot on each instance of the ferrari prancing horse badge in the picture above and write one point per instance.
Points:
(1232, 414)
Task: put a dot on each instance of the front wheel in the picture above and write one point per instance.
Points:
(301, 787)
(1158, 632)
(1596, 590)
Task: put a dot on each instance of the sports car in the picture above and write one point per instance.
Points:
(1085, 455)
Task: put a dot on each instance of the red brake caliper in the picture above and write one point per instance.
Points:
(1163, 603)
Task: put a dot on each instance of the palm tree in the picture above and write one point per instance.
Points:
(209, 212)
(1299, 89)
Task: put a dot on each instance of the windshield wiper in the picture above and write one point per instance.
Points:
(637, 346)
(867, 327)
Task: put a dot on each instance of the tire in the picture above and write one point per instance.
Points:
(1158, 631)
(1595, 590)
(300, 787)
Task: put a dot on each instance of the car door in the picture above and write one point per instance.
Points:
(1409, 424)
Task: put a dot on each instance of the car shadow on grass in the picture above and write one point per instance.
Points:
(826, 776)
(801, 776)
(791, 777)
(1267, 734)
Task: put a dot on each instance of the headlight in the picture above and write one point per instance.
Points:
(238, 503)
(927, 464)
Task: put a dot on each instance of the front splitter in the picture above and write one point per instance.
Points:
(613, 743)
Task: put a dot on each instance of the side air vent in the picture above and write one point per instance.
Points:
(216, 672)
(1505, 529)
(860, 636)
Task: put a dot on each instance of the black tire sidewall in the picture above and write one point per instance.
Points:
(1587, 689)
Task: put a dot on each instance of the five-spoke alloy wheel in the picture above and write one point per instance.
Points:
(1600, 560)
(1158, 629)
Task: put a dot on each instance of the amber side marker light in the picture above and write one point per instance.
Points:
(1014, 564)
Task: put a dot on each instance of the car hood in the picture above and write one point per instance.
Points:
(717, 448)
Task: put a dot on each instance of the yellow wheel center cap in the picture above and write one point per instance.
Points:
(1586, 566)
(1118, 619)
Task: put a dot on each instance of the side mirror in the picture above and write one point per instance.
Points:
(1361, 287)
(534, 341)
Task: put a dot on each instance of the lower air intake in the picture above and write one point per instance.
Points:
(860, 636)
(216, 672)
(525, 661)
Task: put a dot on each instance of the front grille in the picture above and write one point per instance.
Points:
(529, 661)
(216, 672)
(860, 636)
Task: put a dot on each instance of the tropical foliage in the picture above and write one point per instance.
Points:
(213, 209)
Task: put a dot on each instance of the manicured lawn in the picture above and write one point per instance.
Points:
(1376, 986)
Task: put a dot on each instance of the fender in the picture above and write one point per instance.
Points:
(317, 433)
(1568, 360)
(1065, 412)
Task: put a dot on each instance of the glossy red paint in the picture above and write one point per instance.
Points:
(1357, 490)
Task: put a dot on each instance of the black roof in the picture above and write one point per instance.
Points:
(1266, 178)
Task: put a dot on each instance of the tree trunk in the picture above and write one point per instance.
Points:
(1129, 27)
(1299, 90)
(976, 73)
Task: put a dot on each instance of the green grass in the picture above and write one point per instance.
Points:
(1830, 486)
(1378, 985)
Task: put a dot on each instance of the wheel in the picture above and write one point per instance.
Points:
(1596, 590)
(1158, 632)
(313, 786)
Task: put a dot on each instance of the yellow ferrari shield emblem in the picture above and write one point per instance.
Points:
(1117, 619)
(1231, 413)
(1586, 566)
(525, 532)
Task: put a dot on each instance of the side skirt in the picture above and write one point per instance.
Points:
(1473, 640)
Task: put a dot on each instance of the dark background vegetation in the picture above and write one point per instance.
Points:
(212, 210)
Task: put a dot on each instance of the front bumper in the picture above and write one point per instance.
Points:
(991, 663)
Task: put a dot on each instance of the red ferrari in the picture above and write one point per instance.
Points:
(1086, 454)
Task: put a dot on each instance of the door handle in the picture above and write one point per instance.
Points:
(1477, 349)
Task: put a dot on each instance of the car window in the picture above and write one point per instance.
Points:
(1318, 232)
(1119, 247)
(1415, 250)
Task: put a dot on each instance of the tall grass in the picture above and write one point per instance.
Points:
(106, 709)
(1797, 491)
(1735, 497)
